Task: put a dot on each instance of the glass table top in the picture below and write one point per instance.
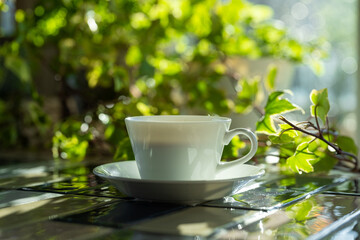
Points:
(60, 200)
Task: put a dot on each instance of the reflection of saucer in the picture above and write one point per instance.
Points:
(125, 177)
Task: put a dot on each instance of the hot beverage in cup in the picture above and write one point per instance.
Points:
(183, 147)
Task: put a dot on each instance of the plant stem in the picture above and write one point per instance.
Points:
(317, 122)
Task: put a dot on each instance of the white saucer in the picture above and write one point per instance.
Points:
(126, 178)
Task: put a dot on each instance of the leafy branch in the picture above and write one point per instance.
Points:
(309, 146)
(339, 152)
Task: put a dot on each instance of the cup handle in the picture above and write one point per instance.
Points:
(227, 138)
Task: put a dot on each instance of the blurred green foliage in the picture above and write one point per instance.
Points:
(126, 57)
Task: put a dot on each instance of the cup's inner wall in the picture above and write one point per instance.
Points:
(177, 118)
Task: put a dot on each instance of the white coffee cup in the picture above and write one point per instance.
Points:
(183, 147)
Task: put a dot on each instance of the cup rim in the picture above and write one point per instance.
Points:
(178, 119)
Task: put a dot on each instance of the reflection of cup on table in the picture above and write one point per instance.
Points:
(183, 147)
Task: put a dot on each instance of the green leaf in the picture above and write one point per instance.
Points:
(73, 147)
(347, 144)
(266, 125)
(133, 56)
(270, 77)
(248, 90)
(93, 76)
(321, 105)
(200, 21)
(281, 139)
(124, 150)
(121, 78)
(70, 142)
(19, 67)
(325, 163)
(166, 66)
(232, 149)
(139, 20)
(20, 15)
(143, 108)
(286, 126)
(317, 66)
(260, 13)
(279, 106)
(274, 106)
(317, 145)
(302, 158)
(284, 136)
(229, 13)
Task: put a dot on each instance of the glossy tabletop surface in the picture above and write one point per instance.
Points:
(47, 199)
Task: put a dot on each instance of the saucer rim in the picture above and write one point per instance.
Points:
(261, 172)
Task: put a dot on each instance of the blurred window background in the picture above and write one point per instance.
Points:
(336, 21)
